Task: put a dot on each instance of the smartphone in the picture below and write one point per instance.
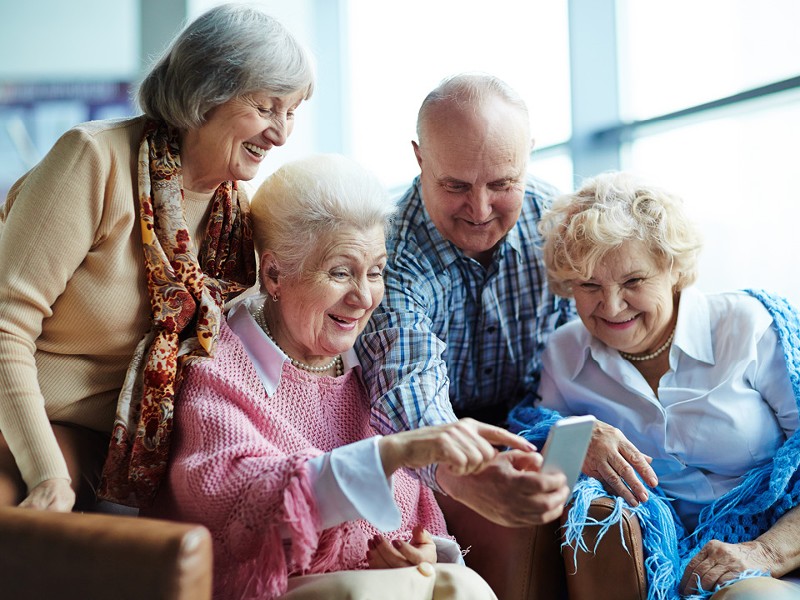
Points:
(566, 446)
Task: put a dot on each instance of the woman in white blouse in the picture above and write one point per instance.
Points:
(691, 391)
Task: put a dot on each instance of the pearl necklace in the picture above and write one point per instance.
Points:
(635, 357)
(336, 362)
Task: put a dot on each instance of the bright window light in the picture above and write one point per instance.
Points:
(399, 51)
(686, 52)
(737, 172)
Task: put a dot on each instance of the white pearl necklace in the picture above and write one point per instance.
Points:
(336, 362)
(636, 357)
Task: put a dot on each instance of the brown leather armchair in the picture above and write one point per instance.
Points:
(84, 556)
(521, 563)
(611, 572)
(526, 563)
(98, 556)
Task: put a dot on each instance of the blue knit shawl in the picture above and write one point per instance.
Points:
(766, 493)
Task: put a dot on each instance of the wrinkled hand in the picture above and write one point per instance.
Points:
(462, 447)
(383, 554)
(614, 461)
(510, 490)
(52, 494)
(718, 562)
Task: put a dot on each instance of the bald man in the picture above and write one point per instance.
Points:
(467, 309)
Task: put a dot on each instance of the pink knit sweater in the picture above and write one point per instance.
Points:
(238, 467)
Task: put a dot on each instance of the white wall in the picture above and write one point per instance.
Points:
(58, 40)
(52, 41)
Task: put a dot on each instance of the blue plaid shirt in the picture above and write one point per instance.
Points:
(452, 336)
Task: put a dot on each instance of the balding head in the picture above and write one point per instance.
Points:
(473, 150)
(469, 92)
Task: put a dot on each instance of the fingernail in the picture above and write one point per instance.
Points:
(425, 568)
(396, 543)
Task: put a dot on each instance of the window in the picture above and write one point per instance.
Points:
(398, 52)
(733, 161)
(736, 170)
(682, 53)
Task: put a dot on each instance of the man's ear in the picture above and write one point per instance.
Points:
(417, 153)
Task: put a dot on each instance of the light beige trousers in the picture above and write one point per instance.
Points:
(759, 588)
(437, 582)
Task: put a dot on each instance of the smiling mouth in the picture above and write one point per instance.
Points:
(619, 324)
(475, 224)
(343, 321)
(255, 150)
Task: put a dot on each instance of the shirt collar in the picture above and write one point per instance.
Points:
(693, 329)
(447, 252)
(265, 354)
(692, 335)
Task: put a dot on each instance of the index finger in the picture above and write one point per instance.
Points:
(408, 552)
(641, 463)
(628, 486)
(497, 436)
(390, 554)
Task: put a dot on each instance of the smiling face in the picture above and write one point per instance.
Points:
(235, 138)
(628, 303)
(321, 312)
(472, 165)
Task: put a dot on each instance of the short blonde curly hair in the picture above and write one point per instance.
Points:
(581, 228)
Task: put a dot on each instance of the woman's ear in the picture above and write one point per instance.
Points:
(269, 273)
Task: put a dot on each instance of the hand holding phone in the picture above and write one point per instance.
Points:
(566, 446)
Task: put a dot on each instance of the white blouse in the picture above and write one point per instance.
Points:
(724, 406)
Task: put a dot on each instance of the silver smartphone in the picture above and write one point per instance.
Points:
(566, 446)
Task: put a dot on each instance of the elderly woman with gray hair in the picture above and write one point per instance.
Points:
(125, 241)
(274, 449)
(696, 395)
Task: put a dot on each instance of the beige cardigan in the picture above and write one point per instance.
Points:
(73, 297)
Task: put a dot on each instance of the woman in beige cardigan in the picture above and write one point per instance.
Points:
(125, 241)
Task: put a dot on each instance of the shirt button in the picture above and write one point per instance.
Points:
(488, 371)
(491, 329)
(425, 568)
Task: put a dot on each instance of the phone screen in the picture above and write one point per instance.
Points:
(566, 446)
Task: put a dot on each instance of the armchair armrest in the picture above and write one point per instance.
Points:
(518, 563)
(610, 573)
(97, 556)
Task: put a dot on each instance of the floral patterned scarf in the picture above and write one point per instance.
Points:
(186, 297)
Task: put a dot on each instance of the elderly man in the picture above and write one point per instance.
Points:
(467, 308)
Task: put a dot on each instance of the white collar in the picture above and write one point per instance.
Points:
(693, 329)
(267, 357)
(692, 334)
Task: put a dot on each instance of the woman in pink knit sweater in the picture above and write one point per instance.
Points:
(274, 451)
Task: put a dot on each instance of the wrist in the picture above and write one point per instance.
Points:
(388, 451)
(778, 562)
(446, 481)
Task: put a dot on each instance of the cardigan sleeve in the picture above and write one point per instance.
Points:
(50, 220)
